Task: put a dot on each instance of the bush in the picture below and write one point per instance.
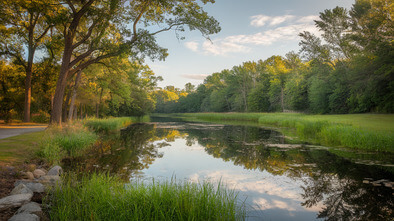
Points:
(40, 117)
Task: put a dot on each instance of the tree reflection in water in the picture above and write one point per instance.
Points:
(328, 179)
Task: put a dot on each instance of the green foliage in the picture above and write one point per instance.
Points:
(101, 197)
(40, 117)
(318, 95)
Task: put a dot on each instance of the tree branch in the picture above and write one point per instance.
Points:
(134, 38)
(81, 57)
(87, 36)
(71, 6)
(89, 62)
(167, 29)
(43, 34)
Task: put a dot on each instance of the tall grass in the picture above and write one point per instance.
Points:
(354, 131)
(71, 141)
(101, 197)
(107, 124)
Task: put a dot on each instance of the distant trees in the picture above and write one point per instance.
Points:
(349, 69)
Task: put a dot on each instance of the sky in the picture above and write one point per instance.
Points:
(252, 30)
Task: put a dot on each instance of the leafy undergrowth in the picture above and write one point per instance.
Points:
(102, 197)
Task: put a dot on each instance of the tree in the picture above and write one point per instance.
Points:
(278, 71)
(24, 24)
(97, 29)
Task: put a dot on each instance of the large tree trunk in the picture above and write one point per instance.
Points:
(74, 95)
(56, 116)
(65, 112)
(29, 72)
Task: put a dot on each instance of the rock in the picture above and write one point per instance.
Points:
(29, 175)
(31, 207)
(21, 189)
(38, 173)
(31, 167)
(14, 201)
(49, 180)
(24, 217)
(35, 186)
(55, 171)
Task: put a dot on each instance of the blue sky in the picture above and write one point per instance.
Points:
(251, 30)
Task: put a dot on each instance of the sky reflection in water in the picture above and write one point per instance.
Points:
(279, 182)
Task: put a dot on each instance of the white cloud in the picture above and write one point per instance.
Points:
(195, 76)
(261, 20)
(192, 45)
(308, 19)
(290, 27)
(224, 46)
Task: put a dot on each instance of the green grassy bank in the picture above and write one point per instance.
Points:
(75, 138)
(106, 125)
(371, 132)
(101, 197)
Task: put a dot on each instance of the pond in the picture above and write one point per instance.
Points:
(277, 178)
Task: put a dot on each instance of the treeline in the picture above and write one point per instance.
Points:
(349, 69)
(117, 87)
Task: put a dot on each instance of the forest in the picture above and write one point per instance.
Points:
(348, 69)
(65, 60)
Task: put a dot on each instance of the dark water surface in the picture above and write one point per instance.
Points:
(277, 180)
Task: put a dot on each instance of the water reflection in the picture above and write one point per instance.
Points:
(280, 180)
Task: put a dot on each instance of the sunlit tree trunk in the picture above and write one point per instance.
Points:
(29, 73)
(74, 95)
(66, 106)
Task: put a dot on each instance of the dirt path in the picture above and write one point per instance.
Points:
(10, 131)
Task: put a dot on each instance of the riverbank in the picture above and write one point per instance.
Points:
(91, 195)
(370, 132)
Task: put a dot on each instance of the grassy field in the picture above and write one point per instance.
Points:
(18, 149)
(101, 197)
(372, 132)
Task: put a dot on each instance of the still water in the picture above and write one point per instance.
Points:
(276, 178)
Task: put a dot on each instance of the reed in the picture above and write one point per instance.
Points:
(71, 140)
(107, 124)
(102, 197)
